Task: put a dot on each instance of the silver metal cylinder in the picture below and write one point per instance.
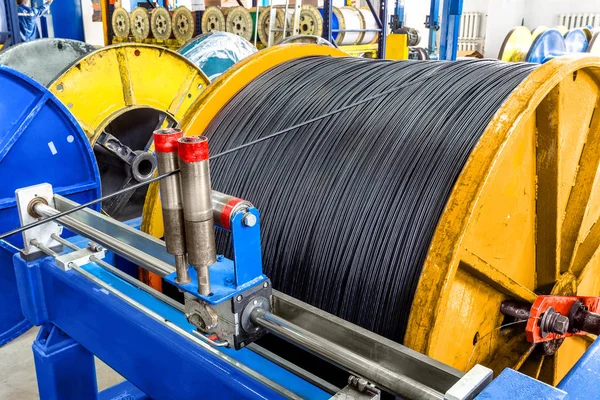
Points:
(225, 206)
(166, 143)
(128, 252)
(354, 363)
(197, 207)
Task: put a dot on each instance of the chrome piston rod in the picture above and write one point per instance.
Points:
(128, 252)
(354, 363)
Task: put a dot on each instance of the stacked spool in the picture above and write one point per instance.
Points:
(543, 43)
(156, 26)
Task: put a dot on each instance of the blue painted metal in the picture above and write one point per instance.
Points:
(583, 380)
(399, 12)
(57, 357)
(576, 41)
(67, 20)
(513, 385)
(330, 21)
(451, 12)
(90, 314)
(123, 391)
(229, 278)
(12, 24)
(434, 26)
(40, 142)
(546, 46)
(216, 52)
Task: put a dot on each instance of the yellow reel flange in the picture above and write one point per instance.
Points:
(538, 31)
(217, 95)
(562, 29)
(115, 79)
(213, 20)
(516, 45)
(239, 22)
(121, 23)
(311, 21)
(183, 24)
(522, 219)
(160, 23)
(140, 23)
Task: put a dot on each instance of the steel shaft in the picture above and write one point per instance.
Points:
(197, 207)
(375, 373)
(166, 143)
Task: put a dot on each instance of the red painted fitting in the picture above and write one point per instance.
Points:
(226, 213)
(167, 140)
(193, 148)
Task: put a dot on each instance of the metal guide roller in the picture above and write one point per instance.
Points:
(35, 123)
(502, 234)
(119, 102)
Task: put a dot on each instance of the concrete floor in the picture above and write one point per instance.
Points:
(17, 371)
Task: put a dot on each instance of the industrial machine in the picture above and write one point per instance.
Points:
(423, 247)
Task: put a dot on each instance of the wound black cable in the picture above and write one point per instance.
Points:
(350, 202)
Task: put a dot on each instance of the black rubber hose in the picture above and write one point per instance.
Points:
(349, 204)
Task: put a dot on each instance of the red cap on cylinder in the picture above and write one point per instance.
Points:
(193, 148)
(166, 140)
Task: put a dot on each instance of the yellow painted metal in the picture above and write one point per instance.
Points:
(516, 45)
(359, 49)
(522, 219)
(396, 46)
(217, 95)
(538, 31)
(115, 79)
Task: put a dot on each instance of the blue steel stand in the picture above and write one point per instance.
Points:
(66, 370)
(12, 19)
(450, 28)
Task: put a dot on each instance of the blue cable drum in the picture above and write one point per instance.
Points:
(335, 23)
(40, 142)
(576, 41)
(546, 46)
(216, 52)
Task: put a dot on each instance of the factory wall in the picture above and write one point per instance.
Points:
(503, 15)
(93, 31)
(545, 12)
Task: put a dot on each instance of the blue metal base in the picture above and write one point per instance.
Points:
(513, 385)
(159, 361)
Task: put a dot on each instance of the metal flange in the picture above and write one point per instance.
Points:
(239, 22)
(516, 45)
(522, 219)
(40, 141)
(160, 23)
(58, 55)
(127, 90)
(121, 23)
(213, 20)
(183, 24)
(264, 21)
(139, 22)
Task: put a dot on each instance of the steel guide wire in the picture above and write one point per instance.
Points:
(349, 203)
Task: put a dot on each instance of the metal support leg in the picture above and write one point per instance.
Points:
(452, 9)
(64, 368)
(327, 17)
(434, 25)
(384, 26)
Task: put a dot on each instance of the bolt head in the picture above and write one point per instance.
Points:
(239, 297)
(561, 326)
(249, 220)
(266, 284)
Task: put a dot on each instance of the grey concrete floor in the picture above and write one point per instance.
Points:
(17, 371)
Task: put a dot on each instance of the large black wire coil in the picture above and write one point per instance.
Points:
(349, 204)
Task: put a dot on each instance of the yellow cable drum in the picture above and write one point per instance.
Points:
(128, 90)
(520, 221)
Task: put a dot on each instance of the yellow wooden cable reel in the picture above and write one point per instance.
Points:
(140, 24)
(160, 23)
(521, 219)
(239, 22)
(516, 45)
(213, 20)
(121, 23)
(115, 79)
(538, 31)
(183, 24)
(310, 22)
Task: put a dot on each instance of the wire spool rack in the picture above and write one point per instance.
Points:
(417, 221)
(543, 43)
